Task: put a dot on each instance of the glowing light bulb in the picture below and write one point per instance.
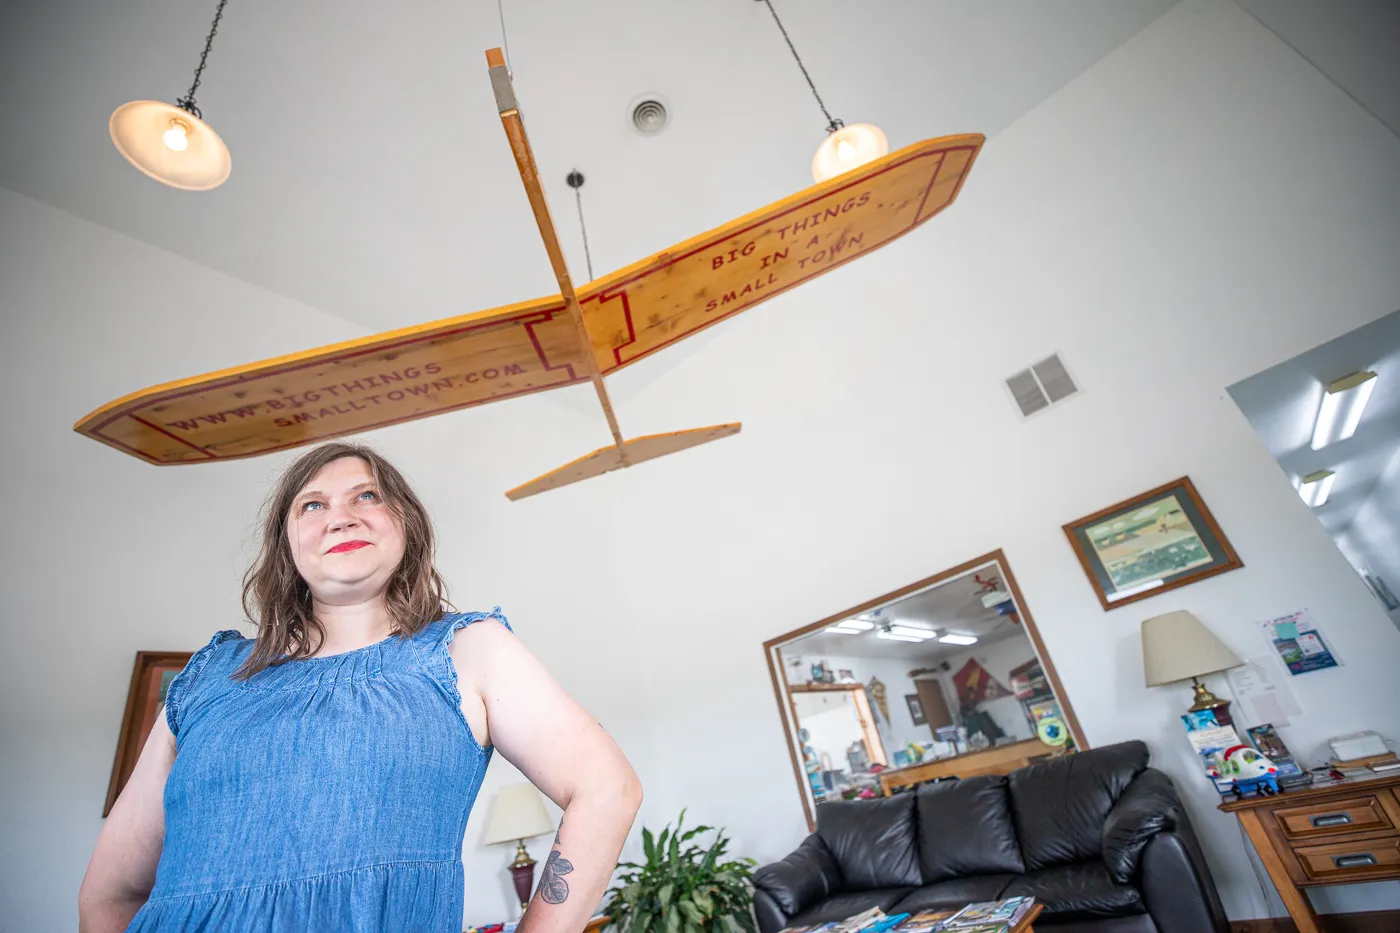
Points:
(177, 137)
(848, 148)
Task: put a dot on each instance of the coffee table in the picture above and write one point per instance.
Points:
(1025, 925)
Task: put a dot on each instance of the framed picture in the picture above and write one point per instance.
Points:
(1146, 545)
(150, 679)
(916, 709)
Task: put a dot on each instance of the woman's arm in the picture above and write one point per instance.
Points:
(123, 867)
(513, 703)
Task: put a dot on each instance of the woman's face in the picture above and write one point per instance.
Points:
(345, 539)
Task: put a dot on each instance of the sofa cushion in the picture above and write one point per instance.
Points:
(1060, 806)
(848, 905)
(1077, 892)
(955, 892)
(965, 829)
(872, 840)
(807, 876)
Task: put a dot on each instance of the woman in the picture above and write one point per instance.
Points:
(319, 777)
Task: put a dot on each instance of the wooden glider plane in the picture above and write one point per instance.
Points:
(572, 337)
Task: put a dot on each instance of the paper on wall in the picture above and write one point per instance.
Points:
(1266, 697)
(1298, 642)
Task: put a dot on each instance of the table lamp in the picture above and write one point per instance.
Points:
(518, 814)
(1177, 647)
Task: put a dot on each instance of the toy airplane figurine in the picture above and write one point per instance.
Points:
(572, 337)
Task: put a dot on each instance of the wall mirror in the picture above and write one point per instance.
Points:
(944, 678)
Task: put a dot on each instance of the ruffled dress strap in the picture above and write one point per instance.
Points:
(178, 691)
(432, 647)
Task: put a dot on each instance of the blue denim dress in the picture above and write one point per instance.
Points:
(329, 794)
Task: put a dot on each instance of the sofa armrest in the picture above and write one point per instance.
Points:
(807, 876)
(1148, 806)
(1176, 884)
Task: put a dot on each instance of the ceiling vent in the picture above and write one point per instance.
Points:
(1041, 386)
(649, 114)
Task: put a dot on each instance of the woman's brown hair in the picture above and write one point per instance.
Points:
(277, 599)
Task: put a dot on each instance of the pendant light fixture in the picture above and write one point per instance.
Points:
(845, 147)
(173, 144)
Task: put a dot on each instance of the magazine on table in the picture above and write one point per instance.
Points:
(992, 915)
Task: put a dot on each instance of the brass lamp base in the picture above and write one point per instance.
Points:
(1205, 700)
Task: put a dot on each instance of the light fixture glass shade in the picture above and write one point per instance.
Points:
(848, 148)
(1176, 646)
(1316, 487)
(1343, 401)
(149, 132)
(954, 639)
(517, 813)
(838, 630)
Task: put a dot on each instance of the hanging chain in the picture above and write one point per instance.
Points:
(505, 40)
(832, 124)
(186, 103)
(575, 181)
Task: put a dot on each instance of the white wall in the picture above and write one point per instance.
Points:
(105, 555)
(1199, 206)
(1372, 541)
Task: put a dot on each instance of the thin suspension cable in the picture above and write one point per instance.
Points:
(505, 41)
(187, 103)
(587, 257)
(832, 124)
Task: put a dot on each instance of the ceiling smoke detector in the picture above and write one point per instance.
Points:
(649, 114)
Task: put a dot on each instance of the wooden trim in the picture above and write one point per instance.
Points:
(1046, 664)
(997, 557)
(1370, 921)
(1232, 558)
(128, 740)
(785, 708)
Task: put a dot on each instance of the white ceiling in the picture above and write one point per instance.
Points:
(371, 178)
(1281, 403)
(950, 606)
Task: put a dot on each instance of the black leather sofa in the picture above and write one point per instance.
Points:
(1099, 838)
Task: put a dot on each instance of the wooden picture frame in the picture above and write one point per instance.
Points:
(916, 709)
(1155, 542)
(150, 679)
(782, 693)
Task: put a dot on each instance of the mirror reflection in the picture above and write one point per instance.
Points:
(942, 680)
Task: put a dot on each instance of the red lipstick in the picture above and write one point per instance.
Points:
(344, 546)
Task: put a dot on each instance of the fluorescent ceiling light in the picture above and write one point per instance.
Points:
(894, 637)
(838, 630)
(856, 625)
(921, 634)
(1315, 487)
(1340, 412)
(951, 639)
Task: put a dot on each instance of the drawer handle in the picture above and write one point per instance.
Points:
(1331, 819)
(1354, 861)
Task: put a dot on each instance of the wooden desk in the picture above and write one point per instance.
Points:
(999, 759)
(1315, 836)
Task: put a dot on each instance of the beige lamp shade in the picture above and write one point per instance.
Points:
(170, 145)
(1176, 646)
(517, 813)
(848, 148)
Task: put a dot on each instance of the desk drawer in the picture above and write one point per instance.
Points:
(1351, 815)
(1351, 861)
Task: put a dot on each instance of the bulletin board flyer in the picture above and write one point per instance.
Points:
(1296, 639)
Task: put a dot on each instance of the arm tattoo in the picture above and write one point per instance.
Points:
(553, 888)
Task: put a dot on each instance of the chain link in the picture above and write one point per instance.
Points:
(187, 103)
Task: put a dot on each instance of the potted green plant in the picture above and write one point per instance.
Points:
(683, 887)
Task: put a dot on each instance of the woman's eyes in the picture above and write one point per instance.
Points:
(373, 497)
